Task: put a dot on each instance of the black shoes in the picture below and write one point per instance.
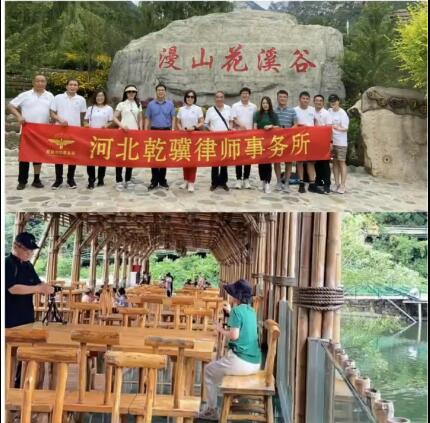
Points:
(37, 184)
(20, 186)
(152, 186)
(90, 185)
(302, 188)
(100, 183)
(164, 185)
(57, 184)
(327, 189)
(213, 188)
(313, 187)
(72, 184)
(225, 187)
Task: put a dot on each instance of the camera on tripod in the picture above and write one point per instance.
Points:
(52, 313)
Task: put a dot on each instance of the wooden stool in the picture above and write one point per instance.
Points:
(138, 313)
(54, 401)
(119, 360)
(192, 314)
(181, 404)
(100, 337)
(79, 310)
(261, 384)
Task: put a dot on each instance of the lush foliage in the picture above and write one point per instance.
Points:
(364, 265)
(411, 46)
(369, 59)
(189, 267)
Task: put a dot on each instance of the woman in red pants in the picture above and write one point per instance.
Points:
(190, 118)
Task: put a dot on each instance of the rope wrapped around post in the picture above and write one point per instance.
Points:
(319, 298)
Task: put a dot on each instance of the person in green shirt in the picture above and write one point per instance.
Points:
(244, 353)
(265, 118)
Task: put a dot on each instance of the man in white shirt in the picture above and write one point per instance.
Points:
(219, 118)
(68, 108)
(32, 106)
(243, 116)
(306, 117)
(322, 167)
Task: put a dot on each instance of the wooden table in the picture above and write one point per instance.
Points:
(133, 338)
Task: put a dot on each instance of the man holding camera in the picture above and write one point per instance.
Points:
(22, 282)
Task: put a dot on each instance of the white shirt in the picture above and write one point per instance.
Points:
(98, 117)
(214, 122)
(244, 113)
(305, 117)
(129, 113)
(322, 117)
(189, 115)
(69, 107)
(34, 107)
(339, 118)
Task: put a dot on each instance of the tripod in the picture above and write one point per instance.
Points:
(52, 314)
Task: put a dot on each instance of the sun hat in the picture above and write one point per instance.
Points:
(241, 290)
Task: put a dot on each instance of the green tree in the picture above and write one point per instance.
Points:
(368, 57)
(411, 46)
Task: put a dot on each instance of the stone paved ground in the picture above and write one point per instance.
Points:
(365, 193)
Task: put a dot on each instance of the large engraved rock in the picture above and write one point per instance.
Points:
(393, 128)
(271, 49)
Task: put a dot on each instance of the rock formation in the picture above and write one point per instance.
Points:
(265, 51)
(393, 128)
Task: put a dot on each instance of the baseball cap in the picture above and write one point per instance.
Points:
(333, 97)
(27, 240)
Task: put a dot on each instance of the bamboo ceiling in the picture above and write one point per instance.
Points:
(224, 234)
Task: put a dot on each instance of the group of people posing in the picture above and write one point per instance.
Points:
(69, 108)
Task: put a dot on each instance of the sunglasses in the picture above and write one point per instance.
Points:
(189, 96)
(131, 91)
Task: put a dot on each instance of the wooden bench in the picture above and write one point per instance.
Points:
(47, 401)
(261, 384)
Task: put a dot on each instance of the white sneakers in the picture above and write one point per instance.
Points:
(286, 188)
(266, 188)
(246, 184)
(183, 185)
(238, 184)
(190, 187)
(279, 186)
(120, 186)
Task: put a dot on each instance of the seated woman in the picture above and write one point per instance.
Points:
(244, 354)
(122, 299)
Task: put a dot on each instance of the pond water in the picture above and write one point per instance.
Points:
(395, 358)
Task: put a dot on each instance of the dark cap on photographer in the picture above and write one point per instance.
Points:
(27, 240)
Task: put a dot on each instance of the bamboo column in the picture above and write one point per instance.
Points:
(20, 223)
(269, 290)
(292, 252)
(318, 267)
(93, 263)
(116, 268)
(303, 321)
(124, 267)
(331, 318)
(51, 268)
(77, 252)
(106, 257)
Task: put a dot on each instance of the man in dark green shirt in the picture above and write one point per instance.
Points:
(244, 354)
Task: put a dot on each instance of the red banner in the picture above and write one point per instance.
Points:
(116, 147)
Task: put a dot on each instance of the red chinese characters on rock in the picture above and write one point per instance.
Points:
(168, 58)
(203, 61)
(267, 60)
(301, 64)
(234, 59)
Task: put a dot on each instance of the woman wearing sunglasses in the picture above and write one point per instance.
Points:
(128, 115)
(189, 118)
